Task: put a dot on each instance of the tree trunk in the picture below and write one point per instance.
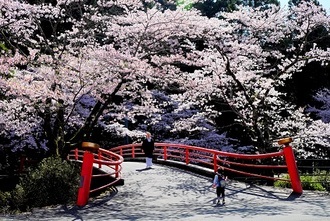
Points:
(85, 132)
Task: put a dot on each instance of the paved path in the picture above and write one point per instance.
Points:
(165, 193)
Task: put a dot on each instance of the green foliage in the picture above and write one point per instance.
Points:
(18, 202)
(54, 181)
(297, 2)
(283, 184)
(309, 182)
(324, 179)
(211, 8)
(4, 198)
(185, 3)
(3, 47)
(320, 181)
(13, 201)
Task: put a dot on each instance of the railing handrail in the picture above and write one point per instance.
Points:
(214, 155)
(202, 149)
(113, 163)
(119, 160)
(96, 159)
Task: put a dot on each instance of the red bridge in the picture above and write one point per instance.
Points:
(92, 155)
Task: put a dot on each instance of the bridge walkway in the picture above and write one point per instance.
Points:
(167, 193)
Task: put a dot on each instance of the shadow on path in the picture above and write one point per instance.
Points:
(144, 169)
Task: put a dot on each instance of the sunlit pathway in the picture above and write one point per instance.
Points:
(165, 193)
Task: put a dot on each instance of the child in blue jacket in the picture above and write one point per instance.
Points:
(219, 182)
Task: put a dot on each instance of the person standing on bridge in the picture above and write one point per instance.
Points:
(148, 147)
(219, 182)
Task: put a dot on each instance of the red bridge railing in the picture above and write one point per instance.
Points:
(210, 158)
(110, 160)
(111, 164)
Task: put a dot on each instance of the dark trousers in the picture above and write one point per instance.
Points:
(220, 192)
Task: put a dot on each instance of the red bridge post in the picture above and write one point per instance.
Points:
(86, 172)
(215, 162)
(291, 164)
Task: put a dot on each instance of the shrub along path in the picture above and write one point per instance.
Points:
(165, 193)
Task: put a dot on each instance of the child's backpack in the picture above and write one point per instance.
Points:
(222, 181)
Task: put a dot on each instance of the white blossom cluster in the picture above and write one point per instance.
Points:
(134, 52)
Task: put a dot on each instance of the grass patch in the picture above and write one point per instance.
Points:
(319, 181)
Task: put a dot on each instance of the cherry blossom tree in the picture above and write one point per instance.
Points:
(248, 61)
(315, 137)
(102, 56)
(71, 65)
